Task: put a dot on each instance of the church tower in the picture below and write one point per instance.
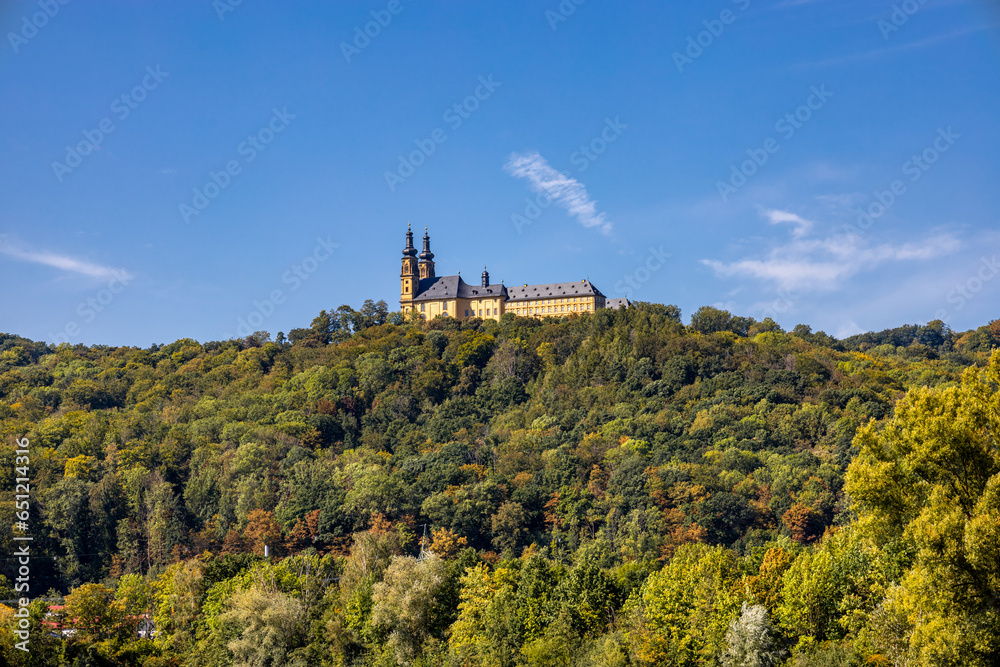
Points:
(426, 258)
(408, 277)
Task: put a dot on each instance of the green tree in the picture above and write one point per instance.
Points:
(683, 611)
(806, 611)
(269, 626)
(407, 605)
(179, 594)
(931, 478)
(508, 526)
(89, 609)
(711, 320)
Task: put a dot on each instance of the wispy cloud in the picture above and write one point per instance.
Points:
(775, 217)
(62, 262)
(810, 264)
(899, 48)
(564, 190)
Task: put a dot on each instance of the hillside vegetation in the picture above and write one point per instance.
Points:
(609, 489)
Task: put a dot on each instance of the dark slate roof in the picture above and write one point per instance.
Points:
(615, 304)
(452, 287)
(579, 288)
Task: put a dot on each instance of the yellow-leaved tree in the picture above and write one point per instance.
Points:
(927, 485)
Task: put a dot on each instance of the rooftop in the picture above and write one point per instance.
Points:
(453, 287)
(544, 291)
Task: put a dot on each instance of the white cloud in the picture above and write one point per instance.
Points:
(564, 190)
(63, 262)
(775, 217)
(849, 328)
(810, 264)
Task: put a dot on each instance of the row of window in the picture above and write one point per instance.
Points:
(544, 310)
(575, 299)
(528, 310)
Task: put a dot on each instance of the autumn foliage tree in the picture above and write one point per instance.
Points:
(930, 480)
(263, 530)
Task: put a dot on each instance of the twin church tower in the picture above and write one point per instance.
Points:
(431, 295)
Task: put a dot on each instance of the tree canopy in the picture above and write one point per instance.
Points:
(612, 488)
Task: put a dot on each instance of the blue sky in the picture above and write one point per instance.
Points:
(174, 169)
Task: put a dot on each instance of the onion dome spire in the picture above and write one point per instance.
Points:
(409, 250)
(426, 253)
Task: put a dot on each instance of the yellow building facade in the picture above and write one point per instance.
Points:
(423, 291)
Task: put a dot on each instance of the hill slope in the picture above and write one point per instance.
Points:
(565, 458)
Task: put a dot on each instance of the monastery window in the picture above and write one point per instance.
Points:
(422, 307)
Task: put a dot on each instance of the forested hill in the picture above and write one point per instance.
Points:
(613, 488)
